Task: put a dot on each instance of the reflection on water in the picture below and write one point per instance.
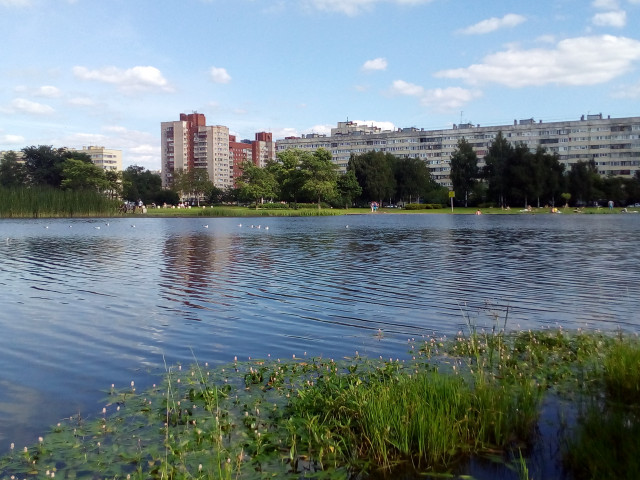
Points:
(83, 307)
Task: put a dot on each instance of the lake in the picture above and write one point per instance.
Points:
(87, 303)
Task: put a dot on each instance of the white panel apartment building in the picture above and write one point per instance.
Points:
(106, 158)
(190, 143)
(613, 143)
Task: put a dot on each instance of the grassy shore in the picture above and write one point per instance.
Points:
(476, 396)
(233, 211)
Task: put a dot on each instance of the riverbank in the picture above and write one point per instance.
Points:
(471, 405)
(233, 211)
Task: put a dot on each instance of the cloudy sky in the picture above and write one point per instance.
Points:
(88, 72)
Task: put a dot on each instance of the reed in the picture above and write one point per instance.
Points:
(477, 395)
(49, 203)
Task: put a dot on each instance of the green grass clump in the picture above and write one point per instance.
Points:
(50, 203)
(477, 395)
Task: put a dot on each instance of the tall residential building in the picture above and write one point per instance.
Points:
(105, 158)
(189, 143)
(612, 143)
(263, 148)
(240, 152)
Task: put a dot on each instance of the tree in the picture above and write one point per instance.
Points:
(114, 181)
(287, 173)
(319, 175)
(348, 188)
(77, 174)
(43, 165)
(464, 168)
(412, 178)
(140, 184)
(256, 183)
(192, 183)
(12, 172)
(517, 173)
(582, 182)
(494, 171)
(375, 174)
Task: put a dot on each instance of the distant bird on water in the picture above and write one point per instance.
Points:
(205, 226)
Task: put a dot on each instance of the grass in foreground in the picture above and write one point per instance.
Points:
(475, 396)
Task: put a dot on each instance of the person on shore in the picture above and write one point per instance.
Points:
(478, 212)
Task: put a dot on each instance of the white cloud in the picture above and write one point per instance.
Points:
(605, 4)
(439, 99)
(574, 61)
(448, 99)
(510, 20)
(355, 7)
(47, 91)
(219, 75)
(319, 129)
(375, 64)
(22, 105)
(12, 140)
(136, 79)
(617, 19)
(628, 91)
(400, 87)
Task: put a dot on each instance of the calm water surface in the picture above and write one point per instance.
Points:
(86, 304)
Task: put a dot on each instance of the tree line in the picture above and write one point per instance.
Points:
(514, 175)
(511, 175)
(59, 168)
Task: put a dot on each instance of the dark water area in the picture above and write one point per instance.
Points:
(85, 304)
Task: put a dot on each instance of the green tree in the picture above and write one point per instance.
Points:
(12, 172)
(412, 178)
(288, 174)
(464, 169)
(518, 175)
(78, 174)
(348, 188)
(114, 181)
(319, 175)
(43, 165)
(495, 160)
(139, 183)
(582, 180)
(256, 183)
(375, 174)
(192, 183)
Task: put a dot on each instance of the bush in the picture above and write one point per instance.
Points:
(422, 206)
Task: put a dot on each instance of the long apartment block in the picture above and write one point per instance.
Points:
(613, 143)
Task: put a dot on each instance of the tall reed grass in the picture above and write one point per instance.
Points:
(477, 395)
(48, 202)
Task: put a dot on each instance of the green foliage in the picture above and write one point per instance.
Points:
(422, 206)
(464, 169)
(319, 176)
(256, 183)
(12, 172)
(49, 202)
(375, 174)
(139, 183)
(192, 184)
(81, 175)
(476, 395)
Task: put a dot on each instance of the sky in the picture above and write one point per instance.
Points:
(75, 73)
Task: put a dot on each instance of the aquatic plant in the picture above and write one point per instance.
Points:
(476, 395)
(49, 202)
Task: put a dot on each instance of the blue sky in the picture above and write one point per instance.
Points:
(88, 72)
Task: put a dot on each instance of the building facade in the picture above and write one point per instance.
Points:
(190, 143)
(106, 158)
(263, 149)
(612, 143)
